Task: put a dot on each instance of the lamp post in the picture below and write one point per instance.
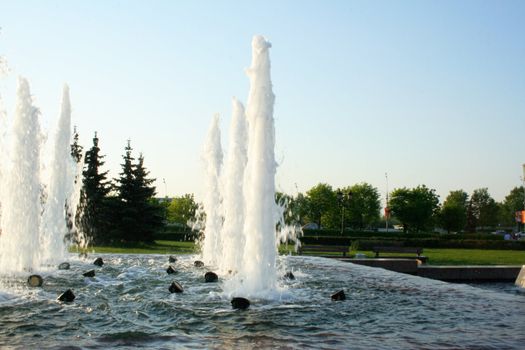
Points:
(343, 199)
(387, 209)
(521, 224)
(523, 180)
(340, 200)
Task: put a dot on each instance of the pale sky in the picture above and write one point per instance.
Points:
(431, 92)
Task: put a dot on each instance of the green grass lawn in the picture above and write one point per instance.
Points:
(158, 247)
(435, 256)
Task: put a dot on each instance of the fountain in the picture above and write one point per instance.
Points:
(33, 226)
(21, 188)
(240, 237)
(131, 301)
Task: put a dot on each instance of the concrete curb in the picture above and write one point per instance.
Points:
(444, 273)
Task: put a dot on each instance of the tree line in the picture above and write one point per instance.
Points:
(115, 210)
(124, 209)
(358, 207)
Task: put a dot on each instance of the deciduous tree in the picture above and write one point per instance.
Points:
(415, 208)
(453, 213)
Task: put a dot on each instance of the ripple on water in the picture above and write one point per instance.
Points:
(127, 304)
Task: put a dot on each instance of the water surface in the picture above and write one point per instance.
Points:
(128, 305)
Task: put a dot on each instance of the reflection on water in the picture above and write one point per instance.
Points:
(128, 304)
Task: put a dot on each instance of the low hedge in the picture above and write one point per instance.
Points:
(188, 236)
(401, 235)
(369, 243)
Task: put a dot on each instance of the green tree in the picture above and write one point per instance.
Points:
(453, 213)
(76, 148)
(181, 210)
(513, 202)
(362, 206)
(92, 216)
(139, 215)
(483, 211)
(416, 208)
(322, 206)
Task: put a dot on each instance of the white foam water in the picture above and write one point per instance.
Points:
(33, 206)
(21, 188)
(212, 156)
(59, 189)
(241, 236)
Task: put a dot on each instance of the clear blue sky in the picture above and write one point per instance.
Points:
(432, 92)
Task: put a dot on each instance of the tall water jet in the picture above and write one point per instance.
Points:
(258, 271)
(212, 200)
(21, 190)
(60, 188)
(232, 188)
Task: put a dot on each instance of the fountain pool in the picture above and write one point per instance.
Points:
(127, 304)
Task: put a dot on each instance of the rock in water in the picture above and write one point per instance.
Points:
(198, 263)
(98, 262)
(35, 281)
(240, 303)
(175, 287)
(170, 270)
(211, 277)
(64, 266)
(289, 275)
(90, 273)
(339, 296)
(67, 296)
(172, 259)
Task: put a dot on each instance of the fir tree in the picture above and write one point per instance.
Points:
(92, 217)
(139, 216)
(76, 149)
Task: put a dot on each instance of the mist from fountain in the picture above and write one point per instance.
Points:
(243, 238)
(21, 188)
(232, 236)
(212, 156)
(60, 189)
(33, 206)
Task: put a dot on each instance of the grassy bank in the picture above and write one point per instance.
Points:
(435, 256)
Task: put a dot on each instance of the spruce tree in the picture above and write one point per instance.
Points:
(76, 149)
(139, 217)
(92, 216)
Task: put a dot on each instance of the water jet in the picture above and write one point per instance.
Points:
(90, 273)
(240, 303)
(175, 287)
(64, 266)
(339, 296)
(211, 277)
(35, 281)
(67, 296)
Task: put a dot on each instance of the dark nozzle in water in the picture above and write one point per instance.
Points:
(175, 287)
(211, 277)
(64, 266)
(35, 281)
(170, 270)
(198, 263)
(90, 273)
(339, 296)
(289, 275)
(172, 259)
(240, 303)
(98, 262)
(67, 296)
